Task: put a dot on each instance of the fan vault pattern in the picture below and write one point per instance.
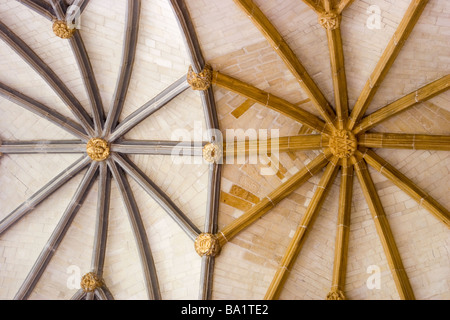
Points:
(101, 142)
(341, 136)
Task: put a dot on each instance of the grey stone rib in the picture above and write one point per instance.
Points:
(43, 111)
(190, 38)
(143, 246)
(43, 194)
(84, 64)
(210, 110)
(58, 234)
(215, 174)
(29, 56)
(101, 233)
(79, 295)
(45, 147)
(166, 148)
(212, 122)
(90, 296)
(129, 53)
(103, 293)
(82, 4)
(149, 108)
(211, 226)
(197, 60)
(41, 7)
(107, 292)
(58, 9)
(206, 278)
(85, 67)
(159, 196)
(100, 295)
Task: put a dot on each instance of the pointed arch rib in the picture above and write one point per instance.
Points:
(406, 185)
(384, 232)
(211, 225)
(270, 201)
(187, 28)
(126, 69)
(273, 102)
(212, 211)
(29, 56)
(306, 224)
(197, 60)
(288, 56)
(43, 111)
(158, 195)
(58, 234)
(140, 234)
(390, 54)
(43, 194)
(423, 94)
(41, 7)
(212, 123)
(210, 111)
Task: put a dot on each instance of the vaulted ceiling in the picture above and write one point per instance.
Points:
(94, 187)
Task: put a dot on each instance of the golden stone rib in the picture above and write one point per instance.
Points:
(343, 4)
(384, 232)
(423, 94)
(282, 144)
(288, 56)
(405, 141)
(338, 74)
(273, 199)
(343, 230)
(315, 5)
(391, 52)
(409, 187)
(273, 102)
(305, 225)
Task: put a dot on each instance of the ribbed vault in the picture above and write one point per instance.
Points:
(349, 133)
